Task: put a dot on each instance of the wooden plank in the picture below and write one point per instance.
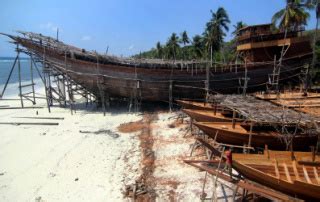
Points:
(277, 170)
(28, 123)
(295, 170)
(279, 42)
(287, 172)
(29, 117)
(21, 108)
(316, 175)
(209, 146)
(306, 176)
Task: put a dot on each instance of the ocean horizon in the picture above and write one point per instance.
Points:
(6, 64)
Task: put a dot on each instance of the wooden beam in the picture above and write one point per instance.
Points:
(295, 170)
(277, 170)
(29, 117)
(316, 175)
(287, 172)
(21, 108)
(306, 176)
(28, 123)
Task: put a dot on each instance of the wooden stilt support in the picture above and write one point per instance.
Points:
(170, 95)
(32, 81)
(233, 119)
(19, 74)
(250, 134)
(44, 78)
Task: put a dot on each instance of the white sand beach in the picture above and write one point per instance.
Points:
(86, 158)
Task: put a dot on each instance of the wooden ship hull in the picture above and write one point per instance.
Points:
(276, 169)
(223, 132)
(152, 81)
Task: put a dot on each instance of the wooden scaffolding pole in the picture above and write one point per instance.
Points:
(32, 81)
(19, 74)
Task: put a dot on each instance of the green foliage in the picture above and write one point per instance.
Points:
(293, 15)
(238, 26)
(200, 46)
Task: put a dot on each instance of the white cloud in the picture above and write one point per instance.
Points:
(131, 47)
(50, 26)
(85, 38)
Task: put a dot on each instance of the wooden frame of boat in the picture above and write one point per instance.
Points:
(235, 134)
(151, 80)
(277, 170)
(211, 167)
(293, 173)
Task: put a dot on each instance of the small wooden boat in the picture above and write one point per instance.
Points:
(224, 132)
(186, 104)
(277, 170)
(287, 96)
(208, 116)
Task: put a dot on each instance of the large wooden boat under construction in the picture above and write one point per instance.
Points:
(158, 80)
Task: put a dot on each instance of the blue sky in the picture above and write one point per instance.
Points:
(126, 26)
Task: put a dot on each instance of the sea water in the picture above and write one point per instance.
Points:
(12, 89)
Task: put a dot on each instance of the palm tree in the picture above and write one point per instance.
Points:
(238, 26)
(197, 46)
(293, 15)
(159, 50)
(173, 45)
(215, 28)
(184, 40)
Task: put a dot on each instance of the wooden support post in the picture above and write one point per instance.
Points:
(103, 102)
(215, 108)
(233, 119)
(170, 95)
(245, 86)
(32, 81)
(235, 191)
(69, 88)
(107, 97)
(215, 180)
(207, 82)
(19, 73)
(313, 153)
(49, 85)
(44, 77)
(203, 194)
(250, 134)
(191, 124)
(216, 136)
